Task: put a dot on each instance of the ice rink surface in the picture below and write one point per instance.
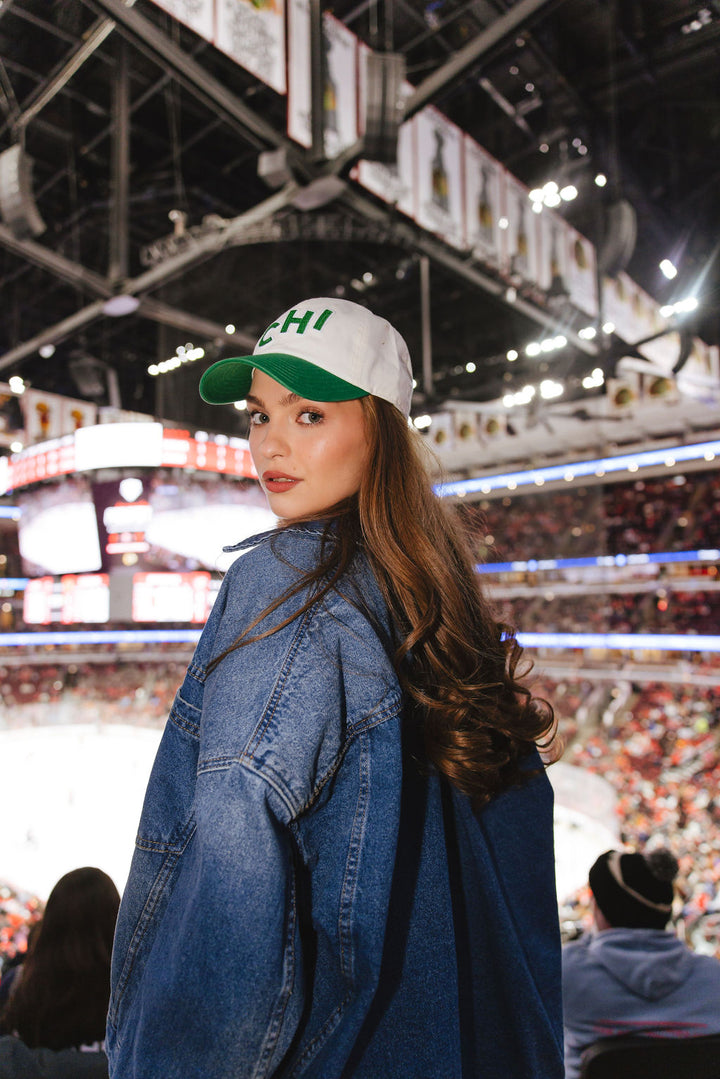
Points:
(73, 796)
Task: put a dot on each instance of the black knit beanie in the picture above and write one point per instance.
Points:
(634, 891)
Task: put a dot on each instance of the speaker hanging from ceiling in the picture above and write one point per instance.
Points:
(384, 105)
(619, 236)
(17, 205)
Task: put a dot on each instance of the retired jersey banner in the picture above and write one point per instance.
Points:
(340, 86)
(553, 253)
(439, 195)
(582, 272)
(199, 15)
(519, 249)
(482, 203)
(252, 32)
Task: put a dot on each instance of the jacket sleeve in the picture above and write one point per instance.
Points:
(208, 947)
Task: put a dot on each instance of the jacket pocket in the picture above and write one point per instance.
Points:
(167, 826)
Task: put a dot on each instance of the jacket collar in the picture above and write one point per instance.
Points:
(307, 528)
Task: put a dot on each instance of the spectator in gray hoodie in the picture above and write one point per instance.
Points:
(632, 976)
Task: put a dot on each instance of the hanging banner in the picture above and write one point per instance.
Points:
(49, 415)
(199, 15)
(12, 424)
(519, 247)
(439, 176)
(299, 100)
(700, 374)
(632, 312)
(663, 352)
(482, 203)
(340, 90)
(582, 272)
(252, 32)
(340, 86)
(553, 254)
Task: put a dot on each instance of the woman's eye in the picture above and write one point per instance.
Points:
(309, 417)
(257, 418)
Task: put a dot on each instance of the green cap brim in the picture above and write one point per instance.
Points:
(229, 380)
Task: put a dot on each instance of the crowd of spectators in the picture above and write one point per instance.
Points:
(138, 693)
(660, 751)
(661, 754)
(672, 513)
(19, 911)
(664, 610)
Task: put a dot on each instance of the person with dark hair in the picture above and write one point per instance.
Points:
(344, 864)
(58, 1004)
(632, 976)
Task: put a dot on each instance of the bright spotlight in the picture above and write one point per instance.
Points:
(669, 269)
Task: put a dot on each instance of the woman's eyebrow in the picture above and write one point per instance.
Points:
(288, 399)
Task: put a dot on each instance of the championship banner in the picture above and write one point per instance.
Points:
(340, 90)
(199, 15)
(439, 174)
(482, 202)
(582, 272)
(252, 32)
(700, 374)
(299, 99)
(633, 313)
(49, 415)
(12, 424)
(553, 253)
(340, 87)
(663, 352)
(519, 246)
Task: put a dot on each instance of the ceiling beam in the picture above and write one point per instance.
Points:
(152, 278)
(197, 79)
(457, 65)
(55, 82)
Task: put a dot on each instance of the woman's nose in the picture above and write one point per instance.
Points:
(273, 442)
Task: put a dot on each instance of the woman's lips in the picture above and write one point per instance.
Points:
(277, 482)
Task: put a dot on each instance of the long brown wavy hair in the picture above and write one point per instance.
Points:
(478, 718)
(60, 999)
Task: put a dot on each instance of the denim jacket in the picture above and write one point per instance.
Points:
(305, 899)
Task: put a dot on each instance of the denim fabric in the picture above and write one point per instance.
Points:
(304, 899)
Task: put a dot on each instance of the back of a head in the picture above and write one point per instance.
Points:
(61, 1000)
(634, 891)
(83, 906)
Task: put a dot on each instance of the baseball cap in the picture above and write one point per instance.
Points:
(325, 349)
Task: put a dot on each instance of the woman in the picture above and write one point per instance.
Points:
(344, 864)
(59, 1000)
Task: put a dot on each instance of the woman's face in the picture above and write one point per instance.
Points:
(309, 455)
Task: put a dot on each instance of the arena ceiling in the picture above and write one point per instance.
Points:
(137, 127)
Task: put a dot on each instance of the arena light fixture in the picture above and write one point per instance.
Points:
(597, 467)
(663, 642)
